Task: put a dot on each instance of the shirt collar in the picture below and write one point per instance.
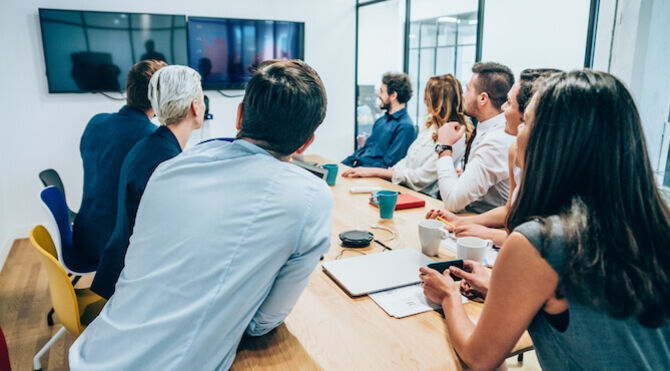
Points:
(166, 133)
(396, 115)
(492, 123)
(133, 112)
(251, 147)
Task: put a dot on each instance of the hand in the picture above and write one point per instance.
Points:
(450, 133)
(446, 215)
(473, 230)
(475, 278)
(360, 172)
(439, 287)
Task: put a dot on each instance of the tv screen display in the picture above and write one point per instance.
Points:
(88, 51)
(227, 51)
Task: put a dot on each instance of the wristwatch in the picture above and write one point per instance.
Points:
(439, 148)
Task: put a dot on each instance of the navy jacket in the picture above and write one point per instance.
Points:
(106, 141)
(137, 168)
(390, 139)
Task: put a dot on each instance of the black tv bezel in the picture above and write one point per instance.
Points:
(46, 63)
(239, 86)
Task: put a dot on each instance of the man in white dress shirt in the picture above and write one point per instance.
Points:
(226, 237)
(484, 182)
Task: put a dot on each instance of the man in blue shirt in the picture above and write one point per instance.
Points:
(392, 133)
(225, 239)
(169, 86)
(106, 141)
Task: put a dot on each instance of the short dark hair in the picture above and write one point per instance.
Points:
(527, 81)
(495, 80)
(398, 83)
(284, 102)
(137, 83)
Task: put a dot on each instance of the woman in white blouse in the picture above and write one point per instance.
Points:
(418, 170)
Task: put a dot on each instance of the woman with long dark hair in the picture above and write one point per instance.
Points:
(587, 267)
(418, 170)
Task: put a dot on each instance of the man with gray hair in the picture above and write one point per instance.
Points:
(226, 237)
(176, 97)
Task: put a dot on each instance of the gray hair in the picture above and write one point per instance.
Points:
(171, 91)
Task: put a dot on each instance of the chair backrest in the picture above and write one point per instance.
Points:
(50, 177)
(59, 225)
(63, 298)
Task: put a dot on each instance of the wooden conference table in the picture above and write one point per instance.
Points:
(328, 329)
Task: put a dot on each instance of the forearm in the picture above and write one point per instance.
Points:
(384, 173)
(460, 328)
(492, 218)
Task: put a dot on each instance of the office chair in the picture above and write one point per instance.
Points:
(4, 354)
(59, 224)
(50, 177)
(76, 308)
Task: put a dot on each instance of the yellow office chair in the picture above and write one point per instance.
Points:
(75, 308)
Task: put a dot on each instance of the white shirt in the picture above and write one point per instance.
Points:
(418, 170)
(225, 240)
(484, 185)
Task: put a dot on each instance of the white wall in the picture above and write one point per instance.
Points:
(380, 41)
(42, 130)
(535, 33)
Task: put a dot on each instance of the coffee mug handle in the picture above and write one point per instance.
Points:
(489, 243)
(444, 234)
(374, 199)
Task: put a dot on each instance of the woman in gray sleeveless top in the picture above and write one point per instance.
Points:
(587, 267)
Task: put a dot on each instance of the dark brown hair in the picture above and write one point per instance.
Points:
(284, 102)
(137, 83)
(495, 80)
(398, 83)
(587, 162)
(527, 80)
(444, 100)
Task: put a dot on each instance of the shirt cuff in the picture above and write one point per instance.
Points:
(445, 166)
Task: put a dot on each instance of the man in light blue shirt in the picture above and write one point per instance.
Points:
(226, 237)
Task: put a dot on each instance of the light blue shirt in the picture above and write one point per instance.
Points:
(225, 240)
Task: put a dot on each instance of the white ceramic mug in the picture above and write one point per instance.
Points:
(431, 233)
(473, 248)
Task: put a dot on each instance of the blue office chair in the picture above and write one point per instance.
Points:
(50, 177)
(59, 226)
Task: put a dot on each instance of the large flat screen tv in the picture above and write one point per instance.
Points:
(227, 51)
(88, 51)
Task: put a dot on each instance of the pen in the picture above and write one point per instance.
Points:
(383, 245)
(445, 222)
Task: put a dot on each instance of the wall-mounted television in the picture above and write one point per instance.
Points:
(227, 51)
(87, 51)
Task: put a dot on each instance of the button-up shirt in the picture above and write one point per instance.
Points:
(138, 166)
(484, 185)
(225, 240)
(391, 137)
(106, 141)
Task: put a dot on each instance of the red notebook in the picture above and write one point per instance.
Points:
(406, 201)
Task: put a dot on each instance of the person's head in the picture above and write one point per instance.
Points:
(284, 102)
(487, 90)
(587, 162)
(150, 45)
(444, 101)
(137, 83)
(395, 90)
(519, 94)
(176, 96)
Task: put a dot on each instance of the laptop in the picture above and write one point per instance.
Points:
(382, 271)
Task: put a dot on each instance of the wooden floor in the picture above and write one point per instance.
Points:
(24, 303)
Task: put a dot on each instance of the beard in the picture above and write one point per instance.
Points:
(385, 105)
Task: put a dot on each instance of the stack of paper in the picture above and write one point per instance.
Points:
(405, 301)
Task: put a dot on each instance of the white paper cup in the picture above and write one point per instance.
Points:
(431, 233)
(473, 248)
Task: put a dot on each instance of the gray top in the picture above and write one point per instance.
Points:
(593, 340)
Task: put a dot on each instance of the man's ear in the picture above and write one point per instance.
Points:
(394, 96)
(482, 99)
(238, 124)
(309, 141)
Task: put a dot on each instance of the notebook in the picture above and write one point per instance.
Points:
(406, 201)
(365, 274)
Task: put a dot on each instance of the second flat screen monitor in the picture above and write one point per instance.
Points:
(226, 52)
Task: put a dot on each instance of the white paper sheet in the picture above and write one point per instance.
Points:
(405, 301)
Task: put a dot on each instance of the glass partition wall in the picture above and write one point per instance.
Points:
(423, 38)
